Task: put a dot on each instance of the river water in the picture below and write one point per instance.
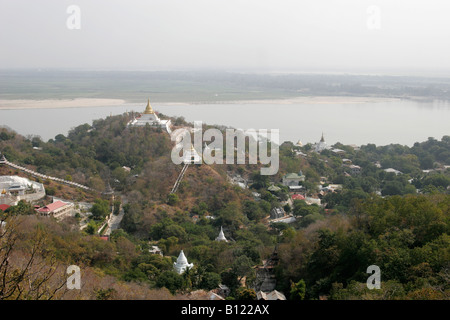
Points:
(382, 123)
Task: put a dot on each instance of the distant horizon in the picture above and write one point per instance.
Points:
(397, 73)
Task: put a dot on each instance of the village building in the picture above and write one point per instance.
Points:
(149, 117)
(297, 196)
(338, 151)
(276, 213)
(57, 209)
(274, 188)
(182, 263)
(223, 290)
(284, 219)
(293, 179)
(332, 187)
(346, 161)
(310, 201)
(155, 250)
(3, 207)
(2, 159)
(272, 295)
(354, 169)
(204, 295)
(389, 170)
(301, 154)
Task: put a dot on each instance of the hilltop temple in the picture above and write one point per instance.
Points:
(320, 146)
(151, 118)
(182, 264)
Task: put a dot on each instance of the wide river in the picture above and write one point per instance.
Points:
(381, 123)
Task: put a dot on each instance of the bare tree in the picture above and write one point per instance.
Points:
(27, 269)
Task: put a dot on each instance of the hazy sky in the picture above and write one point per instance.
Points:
(392, 36)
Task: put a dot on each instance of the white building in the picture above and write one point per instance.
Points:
(321, 145)
(57, 209)
(151, 118)
(389, 170)
(15, 188)
(293, 179)
(191, 156)
(182, 264)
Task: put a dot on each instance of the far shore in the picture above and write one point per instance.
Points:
(63, 103)
(91, 102)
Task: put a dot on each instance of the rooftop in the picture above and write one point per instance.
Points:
(52, 206)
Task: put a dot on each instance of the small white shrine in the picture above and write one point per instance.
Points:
(182, 264)
(221, 236)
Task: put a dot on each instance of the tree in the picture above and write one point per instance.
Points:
(209, 281)
(171, 280)
(172, 199)
(132, 217)
(117, 204)
(245, 294)
(22, 208)
(38, 275)
(298, 290)
(100, 209)
(253, 211)
(242, 267)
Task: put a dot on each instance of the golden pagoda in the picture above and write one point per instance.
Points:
(149, 117)
(148, 109)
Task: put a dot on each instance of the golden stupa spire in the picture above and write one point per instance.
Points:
(148, 109)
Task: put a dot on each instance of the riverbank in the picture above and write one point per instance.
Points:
(58, 103)
(89, 102)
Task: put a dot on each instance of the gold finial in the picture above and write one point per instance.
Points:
(148, 109)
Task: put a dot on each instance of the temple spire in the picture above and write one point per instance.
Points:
(148, 109)
(322, 139)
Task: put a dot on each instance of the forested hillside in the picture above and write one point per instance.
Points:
(398, 220)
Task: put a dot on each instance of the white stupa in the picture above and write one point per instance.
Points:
(182, 264)
(191, 156)
(221, 236)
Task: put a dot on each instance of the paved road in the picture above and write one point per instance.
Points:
(114, 223)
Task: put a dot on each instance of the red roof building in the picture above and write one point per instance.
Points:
(3, 207)
(56, 209)
(297, 197)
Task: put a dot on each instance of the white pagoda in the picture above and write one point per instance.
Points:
(191, 156)
(151, 118)
(182, 264)
(322, 145)
(221, 236)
